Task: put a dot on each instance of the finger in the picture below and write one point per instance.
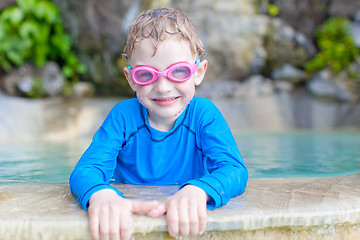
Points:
(172, 218)
(94, 224)
(157, 212)
(143, 207)
(114, 228)
(126, 226)
(202, 214)
(104, 224)
(193, 219)
(184, 221)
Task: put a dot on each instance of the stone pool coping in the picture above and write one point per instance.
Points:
(296, 208)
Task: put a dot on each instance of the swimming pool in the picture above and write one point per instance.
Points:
(301, 154)
(284, 154)
(271, 208)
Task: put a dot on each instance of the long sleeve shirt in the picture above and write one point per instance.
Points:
(199, 150)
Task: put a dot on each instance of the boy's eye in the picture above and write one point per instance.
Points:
(144, 76)
(180, 72)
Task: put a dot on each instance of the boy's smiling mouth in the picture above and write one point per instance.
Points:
(165, 101)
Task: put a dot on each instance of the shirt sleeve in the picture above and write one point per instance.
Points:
(227, 175)
(96, 166)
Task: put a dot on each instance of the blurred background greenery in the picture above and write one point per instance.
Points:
(242, 38)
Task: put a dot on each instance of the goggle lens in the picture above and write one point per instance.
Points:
(144, 76)
(179, 72)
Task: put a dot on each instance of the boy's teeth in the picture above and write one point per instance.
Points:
(166, 99)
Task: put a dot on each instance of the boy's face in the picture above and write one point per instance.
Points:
(165, 99)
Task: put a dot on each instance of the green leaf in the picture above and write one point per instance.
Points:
(67, 89)
(4, 63)
(81, 68)
(71, 60)
(27, 5)
(13, 15)
(15, 57)
(273, 10)
(47, 10)
(67, 71)
(33, 31)
(41, 52)
(336, 44)
(38, 90)
(2, 31)
(62, 42)
(44, 33)
(29, 29)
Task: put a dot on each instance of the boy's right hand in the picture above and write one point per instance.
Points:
(110, 216)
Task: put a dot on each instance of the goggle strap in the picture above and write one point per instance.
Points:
(198, 62)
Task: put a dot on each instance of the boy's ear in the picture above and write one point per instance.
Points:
(200, 72)
(127, 74)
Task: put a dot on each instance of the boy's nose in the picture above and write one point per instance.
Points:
(163, 84)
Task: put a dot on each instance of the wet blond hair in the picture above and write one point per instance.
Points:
(155, 24)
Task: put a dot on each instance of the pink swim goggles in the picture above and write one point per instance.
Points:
(178, 72)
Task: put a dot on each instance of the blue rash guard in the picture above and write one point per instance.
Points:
(199, 150)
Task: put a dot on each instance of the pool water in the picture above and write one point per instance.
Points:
(290, 154)
(40, 161)
(300, 154)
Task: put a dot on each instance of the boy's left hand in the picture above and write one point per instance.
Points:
(186, 212)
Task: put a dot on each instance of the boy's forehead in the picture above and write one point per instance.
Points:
(143, 48)
(169, 46)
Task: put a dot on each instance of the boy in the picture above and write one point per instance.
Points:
(164, 136)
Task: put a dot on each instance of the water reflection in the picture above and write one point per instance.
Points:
(291, 154)
(300, 154)
(40, 161)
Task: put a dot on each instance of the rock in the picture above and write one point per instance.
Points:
(342, 93)
(254, 86)
(283, 86)
(305, 16)
(5, 3)
(349, 80)
(288, 72)
(325, 85)
(233, 34)
(98, 30)
(355, 32)
(217, 90)
(26, 84)
(344, 8)
(239, 39)
(19, 81)
(322, 84)
(52, 79)
(285, 45)
(83, 89)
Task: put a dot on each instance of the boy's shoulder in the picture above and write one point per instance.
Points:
(203, 104)
(127, 106)
(202, 101)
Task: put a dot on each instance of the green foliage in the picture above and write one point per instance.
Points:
(37, 90)
(273, 10)
(33, 31)
(337, 46)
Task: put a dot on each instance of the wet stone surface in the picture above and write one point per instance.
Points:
(296, 208)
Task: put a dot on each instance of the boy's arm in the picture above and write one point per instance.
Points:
(96, 166)
(227, 173)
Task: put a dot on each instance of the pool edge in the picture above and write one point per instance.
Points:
(320, 206)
